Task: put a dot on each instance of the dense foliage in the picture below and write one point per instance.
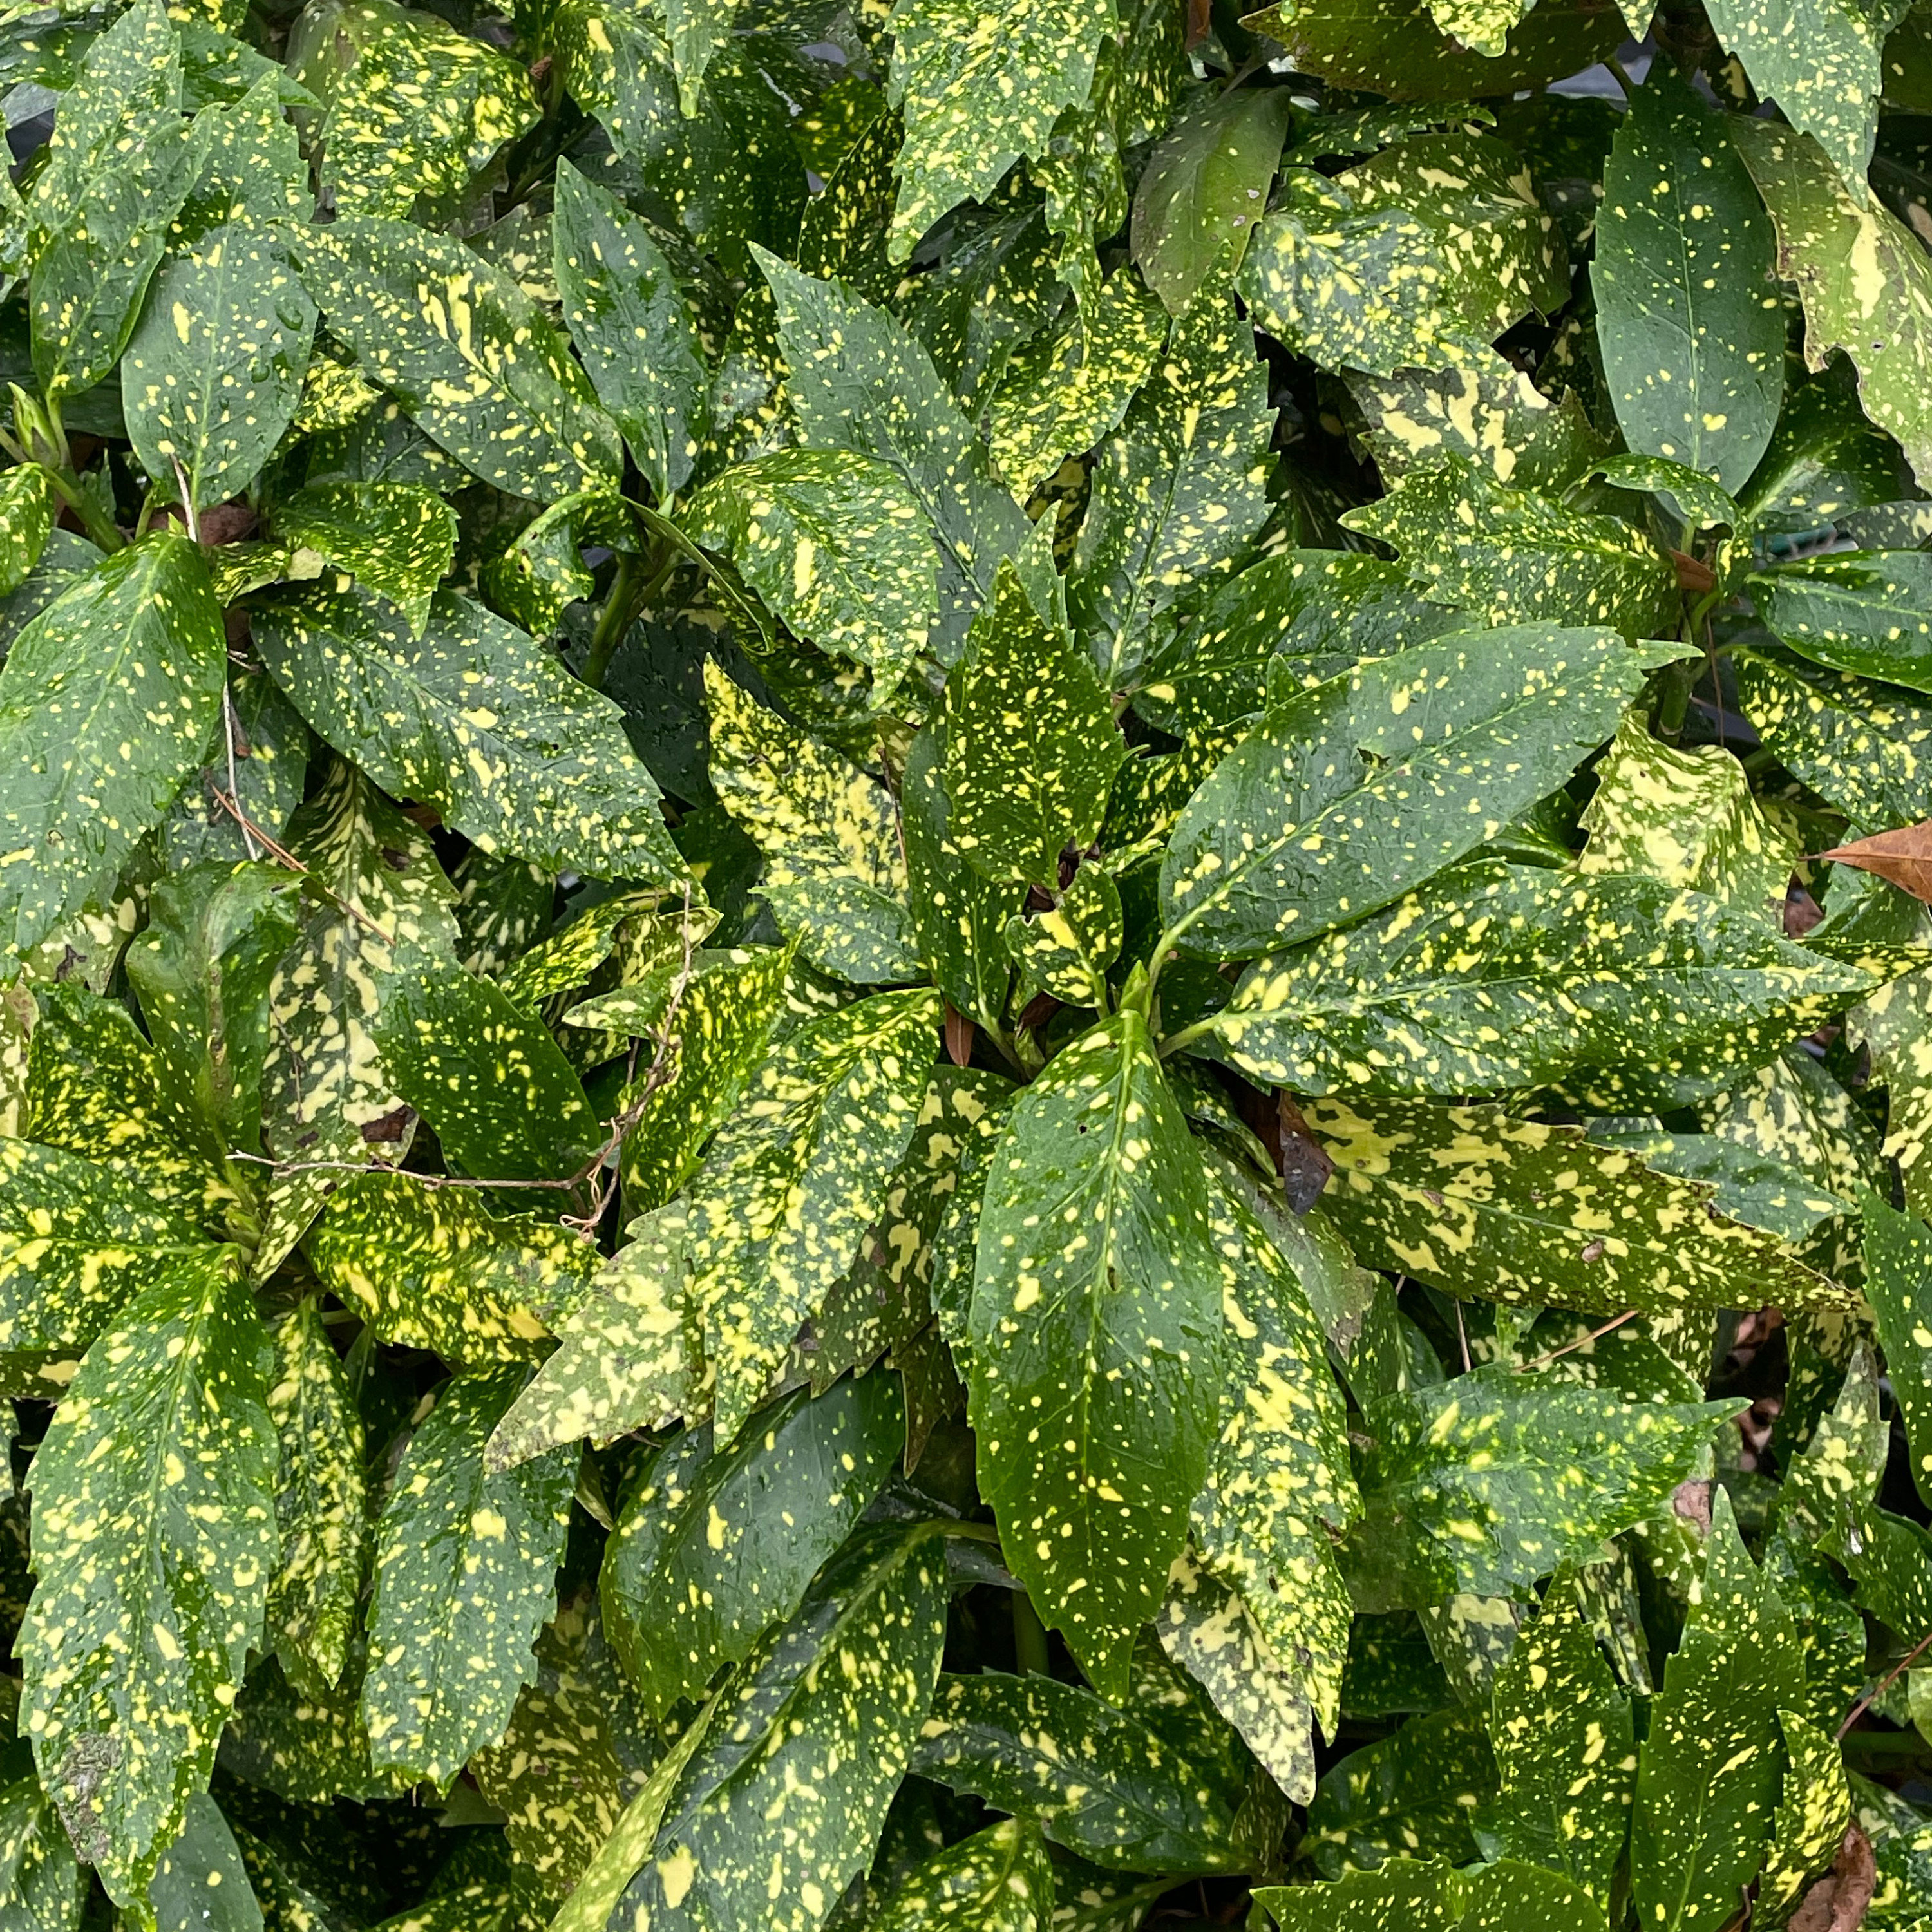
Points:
(961, 967)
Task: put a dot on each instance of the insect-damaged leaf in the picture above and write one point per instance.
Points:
(154, 1537)
(836, 545)
(1691, 328)
(1475, 1485)
(782, 1802)
(1473, 1201)
(794, 1183)
(1101, 1781)
(466, 1574)
(1096, 1327)
(40, 1876)
(1030, 746)
(434, 1267)
(107, 699)
(473, 718)
(466, 352)
(1561, 1731)
(1496, 976)
(718, 1545)
(1308, 822)
(1708, 1772)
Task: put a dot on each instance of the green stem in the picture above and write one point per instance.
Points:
(1030, 1655)
(67, 486)
(613, 622)
(1178, 1042)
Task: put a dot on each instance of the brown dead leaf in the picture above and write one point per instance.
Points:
(1693, 574)
(958, 1036)
(1837, 1902)
(1305, 1166)
(1903, 855)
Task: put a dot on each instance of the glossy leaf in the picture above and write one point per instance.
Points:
(1692, 331)
(465, 1572)
(472, 717)
(107, 699)
(1467, 1198)
(154, 1535)
(1279, 841)
(719, 1545)
(1095, 1326)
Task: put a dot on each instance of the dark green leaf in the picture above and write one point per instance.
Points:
(1095, 1327)
(1030, 746)
(1416, 1791)
(781, 1804)
(1099, 1780)
(631, 326)
(718, 1546)
(464, 351)
(155, 1539)
(473, 718)
(1471, 1486)
(859, 381)
(107, 699)
(1708, 1773)
(1472, 1202)
(1206, 187)
(396, 539)
(1296, 831)
(1692, 329)
(1565, 1754)
(465, 1575)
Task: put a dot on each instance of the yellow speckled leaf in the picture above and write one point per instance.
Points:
(1689, 818)
(1853, 260)
(464, 350)
(630, 1353)
(321, 1503)
(466, 1575)
(980, 88)
(77, 1240)
(796, 1178)
(473, 717)
(412, 108)
(106, 700)
(1096, 1340)
(154, 1533)
(1813, 1811)
(1473, 1201)
(1510, 556)
(575, 1755)
(436, 1267)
